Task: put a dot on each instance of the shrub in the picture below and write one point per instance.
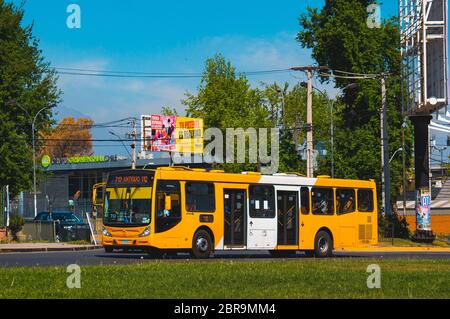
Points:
(15, 225)
(394, 223)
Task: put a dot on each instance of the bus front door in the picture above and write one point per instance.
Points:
(235, 212)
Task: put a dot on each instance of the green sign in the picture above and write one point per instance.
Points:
(46, 161)
(86, 159)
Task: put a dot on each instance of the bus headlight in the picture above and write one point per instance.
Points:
(146, 232)
(106, 232)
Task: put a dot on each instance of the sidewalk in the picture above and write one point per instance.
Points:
(34, 247)
(397, 249)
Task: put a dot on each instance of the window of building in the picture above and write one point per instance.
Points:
(304, 194)
(345, 201)
(200, 197)
(262, 201)
(365, 200)
(167, 219)
(322, 201)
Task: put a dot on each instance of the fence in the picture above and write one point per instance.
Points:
(39, 230)
(53, 231)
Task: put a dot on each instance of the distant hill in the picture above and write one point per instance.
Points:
(62, 111)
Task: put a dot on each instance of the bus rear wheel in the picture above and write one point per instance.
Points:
(323, 244)
(202, 244)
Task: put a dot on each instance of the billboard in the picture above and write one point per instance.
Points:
(146, 133)
(424, 44)
(189, 135)
(161, 133)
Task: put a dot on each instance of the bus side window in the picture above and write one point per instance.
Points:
(345, 201)
(322, 201)
(365, 200)
(165, 219)
(262, 201)
(304, 194)
(200, 197)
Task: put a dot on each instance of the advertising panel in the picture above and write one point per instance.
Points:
(146, 132)
(162, 133)
(423, 203)
(189, 135)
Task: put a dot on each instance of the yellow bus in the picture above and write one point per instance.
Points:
(97, 199)
(175, 209)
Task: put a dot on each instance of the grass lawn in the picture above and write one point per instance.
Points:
(301, 278)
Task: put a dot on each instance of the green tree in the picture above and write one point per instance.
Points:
(341, 40)
(226, 100)
(26, 82)
(169, 111)
(293, 103)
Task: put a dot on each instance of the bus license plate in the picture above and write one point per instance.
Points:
(125, 242)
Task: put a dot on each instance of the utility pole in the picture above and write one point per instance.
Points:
(309, 117)
(133, 146)
(332, 137)
(8, 208)
(309, 129)
(404, 166)
(386, 178)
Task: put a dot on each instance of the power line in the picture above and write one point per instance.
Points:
(131, 74)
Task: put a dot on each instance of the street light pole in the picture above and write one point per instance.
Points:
(34, 159)
(121, 141)
(398, 150)
(33, 121)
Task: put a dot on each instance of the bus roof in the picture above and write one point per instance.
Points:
(195, 174)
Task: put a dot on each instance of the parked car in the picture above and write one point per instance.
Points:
(67, 225)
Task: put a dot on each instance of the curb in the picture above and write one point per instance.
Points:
(47, 249)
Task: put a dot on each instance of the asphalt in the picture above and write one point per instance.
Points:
(99, 257)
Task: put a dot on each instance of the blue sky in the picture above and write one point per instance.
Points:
(162, 36)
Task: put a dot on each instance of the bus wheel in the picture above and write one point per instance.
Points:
(202, 244)
(323, 244)
(108, 249)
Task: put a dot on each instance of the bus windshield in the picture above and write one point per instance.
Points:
(122, 207)
(127, 200)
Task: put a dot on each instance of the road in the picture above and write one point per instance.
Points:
(99, 257)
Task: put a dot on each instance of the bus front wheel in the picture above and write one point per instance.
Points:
(323, 244)
(202, 244)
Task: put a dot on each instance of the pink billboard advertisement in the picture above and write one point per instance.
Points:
(163, 133)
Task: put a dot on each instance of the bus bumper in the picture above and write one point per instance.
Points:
(125, 242)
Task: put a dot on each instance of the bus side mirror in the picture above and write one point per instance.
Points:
(167, 202)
